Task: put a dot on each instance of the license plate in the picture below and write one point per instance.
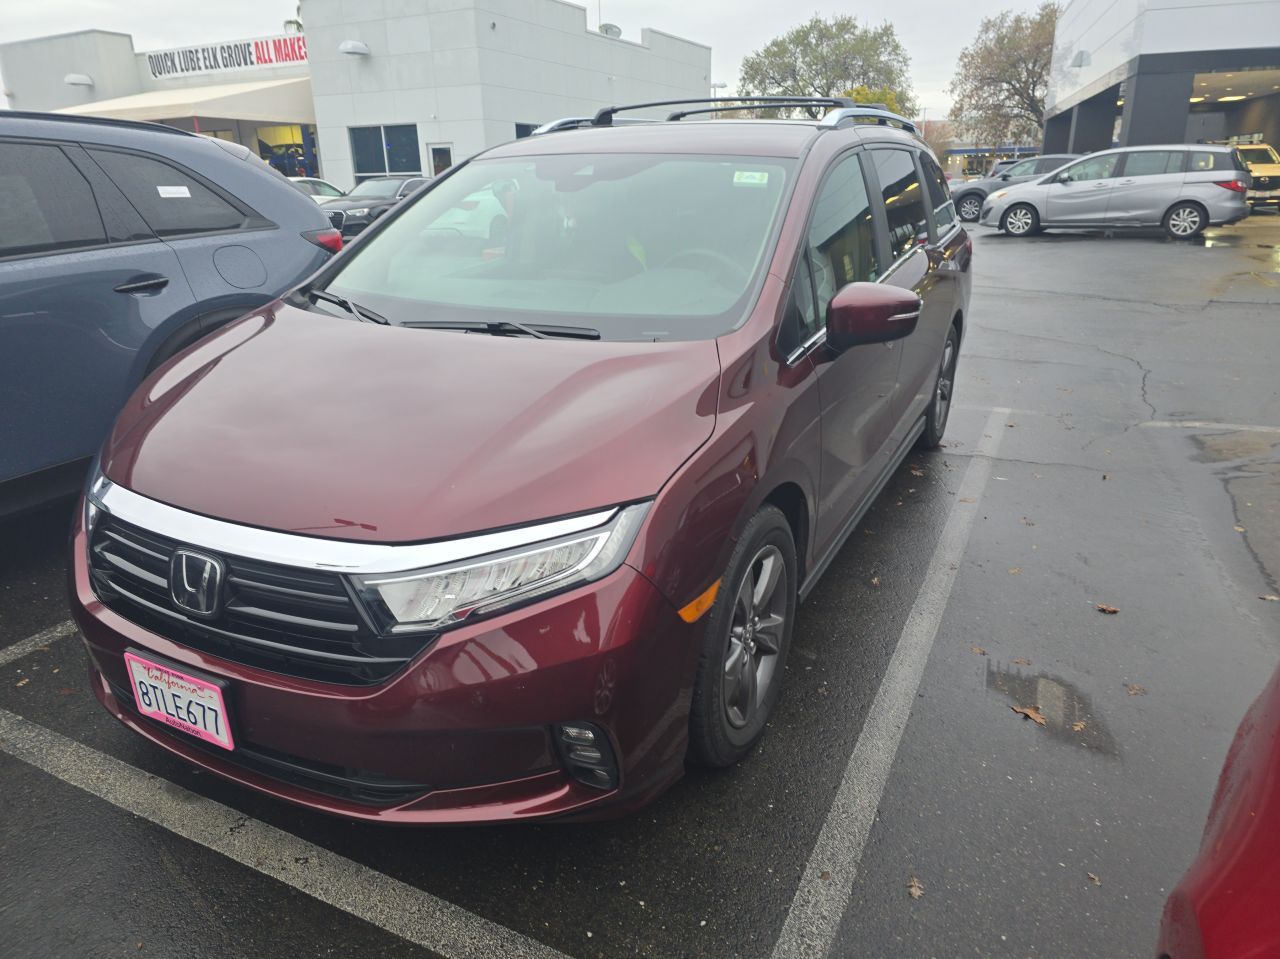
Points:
(180, 700)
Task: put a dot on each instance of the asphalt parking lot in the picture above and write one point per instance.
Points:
(1117, 441)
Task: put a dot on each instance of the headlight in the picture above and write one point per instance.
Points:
(360, 212)
(446, 596)
(1001, 193)
(93, 488)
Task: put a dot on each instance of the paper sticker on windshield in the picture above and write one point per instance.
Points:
(750, 178)
(173, 191)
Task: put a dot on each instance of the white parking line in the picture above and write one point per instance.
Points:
(397, 907)
(827, 883)
(43, 638)
(1207, 425)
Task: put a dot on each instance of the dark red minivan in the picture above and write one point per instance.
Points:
(506, 512)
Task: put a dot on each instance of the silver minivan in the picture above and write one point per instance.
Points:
(1182, 188)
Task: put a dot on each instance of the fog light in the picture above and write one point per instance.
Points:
(587, 754)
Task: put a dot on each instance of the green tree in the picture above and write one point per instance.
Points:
(1002, 77)
(883, 96)
(824, 58)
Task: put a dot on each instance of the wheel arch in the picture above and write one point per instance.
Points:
(791, 501)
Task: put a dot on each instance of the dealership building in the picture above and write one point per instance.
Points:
(364, 89)
(1133, 72)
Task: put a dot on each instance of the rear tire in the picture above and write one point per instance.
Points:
(1021, 219)
(744, 649)
(1184, 221)
(939, 412)
(969, 207)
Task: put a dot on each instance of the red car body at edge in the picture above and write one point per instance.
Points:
(1225, 905)
(309, 437)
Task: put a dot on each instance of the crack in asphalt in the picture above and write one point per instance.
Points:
(1014, 459)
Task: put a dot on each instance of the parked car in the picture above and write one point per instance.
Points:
(369, 200)
(1264, 167)
(1225, 905)
(1000, 166)
(319, 190)
(969, 196)
(483, 214)
(1180, 188)
(467, 532)
(120, 244)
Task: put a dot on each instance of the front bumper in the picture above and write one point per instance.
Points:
(469, 718)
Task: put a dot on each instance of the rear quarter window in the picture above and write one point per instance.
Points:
(1201, 161)
(170, 199)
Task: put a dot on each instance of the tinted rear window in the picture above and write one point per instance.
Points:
(172, 201)
(1203, 160)
(1152, 162)
(46, 205)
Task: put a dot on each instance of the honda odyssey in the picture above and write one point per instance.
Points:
(491, 525)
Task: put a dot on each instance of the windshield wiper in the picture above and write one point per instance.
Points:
(496, 328)
(355, 309)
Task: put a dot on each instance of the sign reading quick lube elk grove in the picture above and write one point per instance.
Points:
(286, 49)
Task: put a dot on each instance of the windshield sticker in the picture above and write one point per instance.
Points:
(173, 191)
(750, 178)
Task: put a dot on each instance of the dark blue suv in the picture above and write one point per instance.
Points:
(120, 244)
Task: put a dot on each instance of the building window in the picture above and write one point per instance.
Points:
(441, 159)
(525, 130)
(377, 151)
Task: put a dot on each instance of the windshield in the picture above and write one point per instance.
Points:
(1263, 154)
(636, 247)
(378, 188)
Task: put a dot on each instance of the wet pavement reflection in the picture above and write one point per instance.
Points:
(1069, 715)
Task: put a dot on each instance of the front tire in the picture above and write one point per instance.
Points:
(744, 650)
(935, 419)
(969, 207)
(1021, 219)
(1185, 220)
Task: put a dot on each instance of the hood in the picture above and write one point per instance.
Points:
(293, 420)
(356, 203)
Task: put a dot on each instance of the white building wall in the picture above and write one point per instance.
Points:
(1110, 33)
(466, 71)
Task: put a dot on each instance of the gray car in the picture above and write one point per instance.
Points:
(121, 243)
(969, 196)
(1182, 188)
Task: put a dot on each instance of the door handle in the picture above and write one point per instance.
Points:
(144, 284)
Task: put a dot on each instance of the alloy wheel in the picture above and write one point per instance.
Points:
(1184, 221)
(946, 379)
(970, 208)
(755, 636)
(1018, 220)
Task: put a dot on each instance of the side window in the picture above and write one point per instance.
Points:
(170, 200)
(800, 321)
(1201, 160)
(1049, 164)
(410, 185)
(325, 189)
(842, 233)
(47, 204)
(1152, 162)
(943, 211)
(1022, 168)
(903, 200)
(1094, 168)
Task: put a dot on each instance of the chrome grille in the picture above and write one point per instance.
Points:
(337, 218)
(299, 622)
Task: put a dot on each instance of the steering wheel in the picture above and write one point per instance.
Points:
(715, 258)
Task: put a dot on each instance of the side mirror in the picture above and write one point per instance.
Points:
(1004, 176)
(1062, 178)
(870, 313)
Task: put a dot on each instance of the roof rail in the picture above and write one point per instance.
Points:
(576, 123)
(81, 118)
(868, 111)
(604, 116)
(725, 107)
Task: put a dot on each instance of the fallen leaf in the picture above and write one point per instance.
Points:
(1011, 425)
(1094, 879)
(875, 580)
(1026, 522)
(66, 691)
(1104, 477)
(23, 681)
(914, 889)
(1238, 529)
(917, 471)
(1015, 570)
(1077, 727)
(1270, 599)
(1109, 610)
(1020, 662)
(978, 649)
(1030, 712)
(824, 875)
(1133, 689)
(968, 499)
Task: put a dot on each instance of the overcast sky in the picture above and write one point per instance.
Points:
(933, 31)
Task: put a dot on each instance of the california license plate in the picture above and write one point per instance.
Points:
(185, 702)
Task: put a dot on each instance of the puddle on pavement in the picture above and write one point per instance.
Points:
(1061, 703)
